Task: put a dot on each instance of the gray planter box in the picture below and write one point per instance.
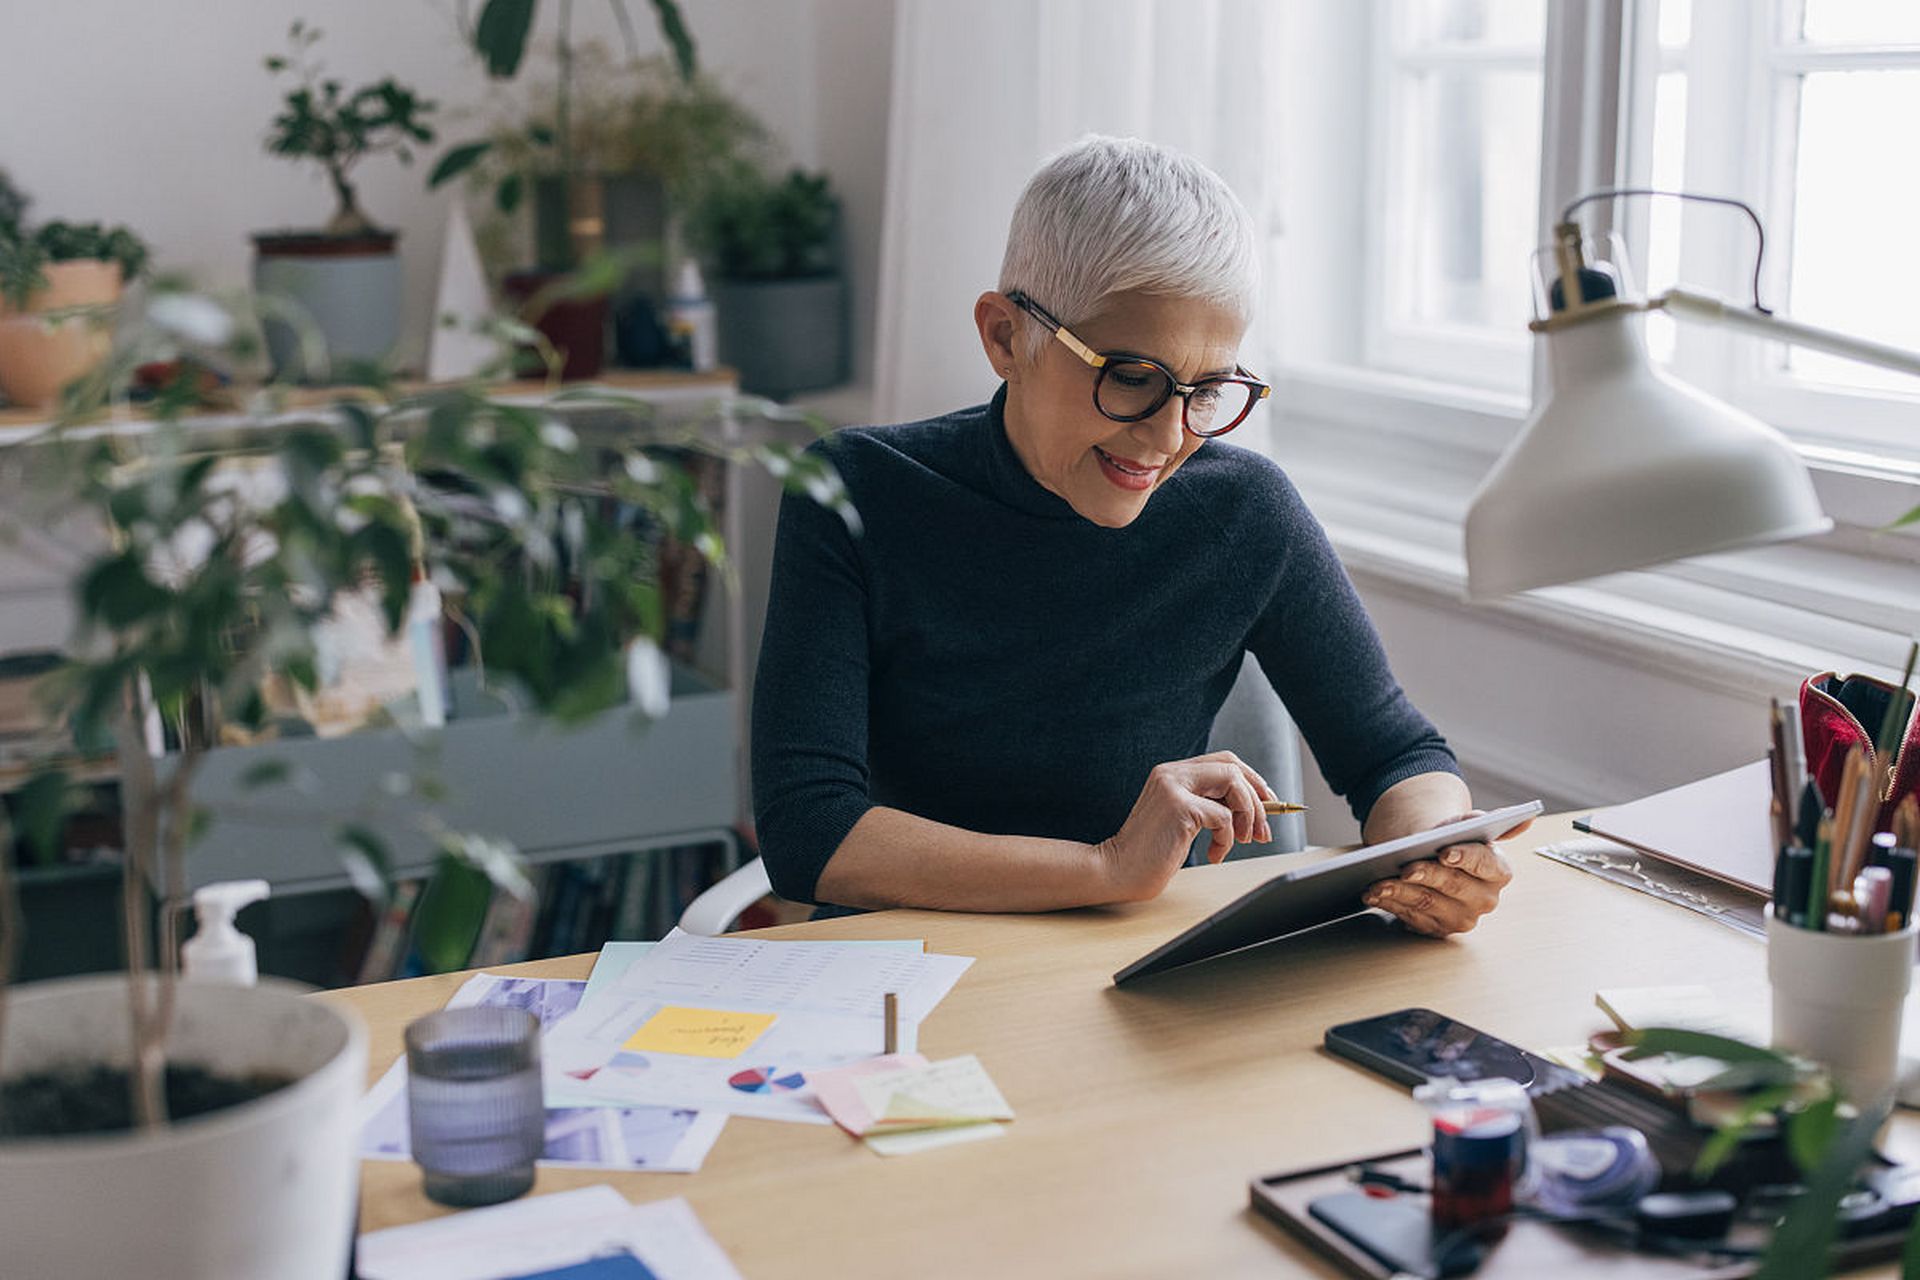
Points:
(783, 336)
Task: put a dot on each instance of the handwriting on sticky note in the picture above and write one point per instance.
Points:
(956, 1091)
(699, 1033)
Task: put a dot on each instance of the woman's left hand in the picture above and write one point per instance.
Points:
(1450, 894)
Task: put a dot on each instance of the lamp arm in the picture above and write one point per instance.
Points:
(1704, 306)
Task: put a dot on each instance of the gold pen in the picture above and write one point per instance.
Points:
(1282, 806)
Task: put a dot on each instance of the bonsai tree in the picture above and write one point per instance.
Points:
(320, 120)
(207, 595)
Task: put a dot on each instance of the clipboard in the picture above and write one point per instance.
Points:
(1717, 827)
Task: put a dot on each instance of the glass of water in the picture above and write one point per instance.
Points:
(474, 1108)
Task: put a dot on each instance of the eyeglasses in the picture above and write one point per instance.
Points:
(1129, 388)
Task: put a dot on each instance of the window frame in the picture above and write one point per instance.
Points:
(1594, 107)
(1471, 355)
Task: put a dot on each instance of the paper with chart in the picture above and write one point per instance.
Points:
(826, 1001)
(648, 1139)
(542, 1234)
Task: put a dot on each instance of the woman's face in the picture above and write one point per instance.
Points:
(1107, 470)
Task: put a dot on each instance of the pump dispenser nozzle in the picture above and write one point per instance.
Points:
(218, 952)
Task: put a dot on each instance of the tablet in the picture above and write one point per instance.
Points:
(1321, 893)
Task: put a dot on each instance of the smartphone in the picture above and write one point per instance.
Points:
(1412, 1046)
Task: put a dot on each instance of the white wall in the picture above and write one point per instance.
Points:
(153, 114)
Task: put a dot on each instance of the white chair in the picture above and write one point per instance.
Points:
(1252, 722)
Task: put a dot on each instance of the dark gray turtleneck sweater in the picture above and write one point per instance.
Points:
(982, 655)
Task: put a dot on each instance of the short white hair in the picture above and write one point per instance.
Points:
(1119, 215)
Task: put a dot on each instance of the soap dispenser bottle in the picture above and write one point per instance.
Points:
(219, 952)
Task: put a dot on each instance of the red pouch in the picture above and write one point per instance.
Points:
(1838, 713)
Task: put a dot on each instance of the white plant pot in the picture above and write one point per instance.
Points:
(264, 1189)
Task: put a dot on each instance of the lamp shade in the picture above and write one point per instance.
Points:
(1623, 467)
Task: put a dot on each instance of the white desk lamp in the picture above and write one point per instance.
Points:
(1622, 465)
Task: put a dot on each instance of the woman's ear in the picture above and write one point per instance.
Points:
(999, 322)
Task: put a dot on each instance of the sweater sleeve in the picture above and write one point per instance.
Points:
(809, 749)
(1320, 651)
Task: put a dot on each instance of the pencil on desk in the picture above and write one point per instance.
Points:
(892, 1040)
(1282, 806)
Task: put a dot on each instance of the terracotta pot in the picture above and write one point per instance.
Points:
(38, 356)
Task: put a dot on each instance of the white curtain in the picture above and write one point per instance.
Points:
(982, 91)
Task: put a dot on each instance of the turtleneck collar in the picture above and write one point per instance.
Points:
(1012, 482)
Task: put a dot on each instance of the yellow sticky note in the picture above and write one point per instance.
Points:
(699, 1033)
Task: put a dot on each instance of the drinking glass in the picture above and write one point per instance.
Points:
(474, 1106)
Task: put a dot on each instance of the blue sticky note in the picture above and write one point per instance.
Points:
(620, 1266)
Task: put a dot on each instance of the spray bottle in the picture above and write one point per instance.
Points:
(429, 658)
(691, 323)
(218, 952)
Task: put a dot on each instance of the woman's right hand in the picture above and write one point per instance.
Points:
(1217, 792)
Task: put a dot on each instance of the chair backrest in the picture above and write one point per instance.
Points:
(1253, 724)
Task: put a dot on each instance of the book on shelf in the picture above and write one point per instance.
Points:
(387, 949)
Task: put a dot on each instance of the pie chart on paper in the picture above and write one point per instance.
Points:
(767, 1080)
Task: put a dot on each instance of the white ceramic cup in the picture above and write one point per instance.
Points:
(1837, 999)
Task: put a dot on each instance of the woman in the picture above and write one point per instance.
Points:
(993, 697)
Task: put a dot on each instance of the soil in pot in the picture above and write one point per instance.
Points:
(95, 1098)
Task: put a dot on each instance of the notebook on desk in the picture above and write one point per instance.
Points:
(1716, 826)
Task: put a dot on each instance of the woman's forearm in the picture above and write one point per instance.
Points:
(1419, 803)
(893, 859)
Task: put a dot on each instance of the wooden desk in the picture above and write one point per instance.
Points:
(1142, 1112)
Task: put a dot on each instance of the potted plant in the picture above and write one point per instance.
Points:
(207, 594)
(58, 287)
(545, 159)
(773, 262)
(333, 293)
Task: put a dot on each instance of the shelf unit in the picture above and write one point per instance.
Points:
(556, 794)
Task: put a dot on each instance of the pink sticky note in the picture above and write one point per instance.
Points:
(836, 1092)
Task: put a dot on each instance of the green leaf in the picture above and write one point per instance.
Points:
(501, 35)
(456, 162)
(365, 857)
(1657, 1040)
(264, 773)
(447, 919)
(301, 669)
(118, 593)
(1715, 1150)
(1810, 1130)
(276, 64)
(506, 196)
(1801, 1245)
(40, 810)
(1910, 1256)
(674, 28)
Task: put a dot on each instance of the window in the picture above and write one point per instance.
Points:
(1418, 177)
(1410, 186)
(1458, 175)
(1779, 103)
(1427, 145)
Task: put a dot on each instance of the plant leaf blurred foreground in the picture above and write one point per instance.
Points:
(226, 540)
(1828, 1141)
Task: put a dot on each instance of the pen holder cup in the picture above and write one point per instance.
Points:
(1837, 999)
